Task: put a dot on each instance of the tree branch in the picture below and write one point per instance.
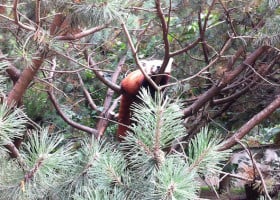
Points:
(228, 78)
(106, 113)
(81, 34)
(15, 13)
(100, 76)
(251, 124)
(13, 151)
(165, 30)
(137, 61)
(70, 121)
(11, 70)
(188, 47)
(87, 94)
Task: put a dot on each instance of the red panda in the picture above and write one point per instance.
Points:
(130, 87)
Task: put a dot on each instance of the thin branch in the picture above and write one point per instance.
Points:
(15, 13)
(68, 120)
(225, 47)
(100, 76)
(82, 34)
(37, 13)
(262, 71)
(106, 113)
(228, 78)
(135, 56)
(261, 76)
(229, 20)
(165, 30)
(188, 47)
(86, 93)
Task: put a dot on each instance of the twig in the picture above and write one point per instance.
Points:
(86, 93)
(95, 69)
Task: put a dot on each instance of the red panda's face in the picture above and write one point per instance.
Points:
(152, 67)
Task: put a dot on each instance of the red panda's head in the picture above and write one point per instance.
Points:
(135, 80)
(152, 67)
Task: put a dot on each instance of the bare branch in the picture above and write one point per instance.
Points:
(106, 113)
(251, 124)
(72, 123)
(255, 166)
(135, 56)
(228, 78)
(188, 47)
(165, 30)
(96, 71)
(15, 13)
(81, 34)
(37, 13)
(87, 94)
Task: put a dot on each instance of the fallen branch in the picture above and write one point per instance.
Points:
(251, 124)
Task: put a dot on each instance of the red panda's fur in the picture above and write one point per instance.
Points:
(130, 86)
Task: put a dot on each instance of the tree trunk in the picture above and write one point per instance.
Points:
(24, 80)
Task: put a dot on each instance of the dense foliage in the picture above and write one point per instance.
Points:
(62, 63)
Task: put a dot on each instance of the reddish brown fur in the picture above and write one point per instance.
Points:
(130, 86)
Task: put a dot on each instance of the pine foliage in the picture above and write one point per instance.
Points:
(96, 12)
(141, 167)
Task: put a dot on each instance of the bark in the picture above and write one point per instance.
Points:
(21, 84)
(105, 114)
(56, 23)
(24, 80)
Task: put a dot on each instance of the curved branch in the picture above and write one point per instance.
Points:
(70, 121)
(188, 47)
